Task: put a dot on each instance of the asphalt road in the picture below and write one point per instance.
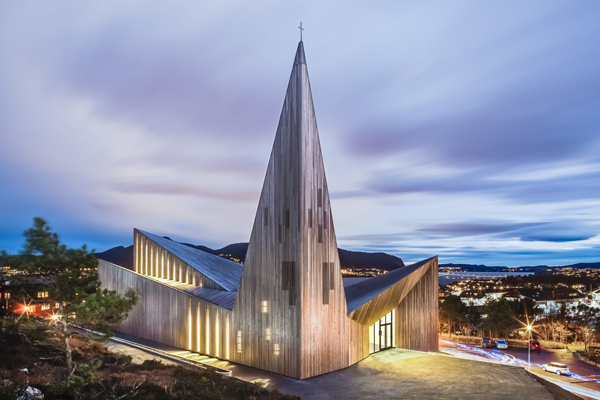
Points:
(583, 381)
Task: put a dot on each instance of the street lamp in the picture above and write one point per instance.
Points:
(529, 348)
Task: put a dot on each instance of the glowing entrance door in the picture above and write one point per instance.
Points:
(381, 333)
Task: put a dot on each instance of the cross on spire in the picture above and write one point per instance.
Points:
(301, 29)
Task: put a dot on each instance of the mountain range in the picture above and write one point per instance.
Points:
(359, 260)
(123, 256)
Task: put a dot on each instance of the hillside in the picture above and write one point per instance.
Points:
(123, 256)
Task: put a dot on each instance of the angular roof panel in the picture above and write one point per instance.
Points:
(372, 298)
(222, 271)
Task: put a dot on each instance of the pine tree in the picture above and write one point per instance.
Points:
(71, 279)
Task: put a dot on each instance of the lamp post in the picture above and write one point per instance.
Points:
(529, 348)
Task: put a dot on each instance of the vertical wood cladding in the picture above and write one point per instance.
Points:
(165, 314)
(417, 314)
(285, 260)
(290, 314)
(153, 260)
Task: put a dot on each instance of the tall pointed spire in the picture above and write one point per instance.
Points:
(292, 264)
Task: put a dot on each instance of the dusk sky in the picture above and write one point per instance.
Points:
(464, 129)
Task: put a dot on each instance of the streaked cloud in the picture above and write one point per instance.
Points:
(468, 130)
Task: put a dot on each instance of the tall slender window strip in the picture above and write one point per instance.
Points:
(193, 277)
(162, 263)
(168, 266)
(227, 338)
(156, 261)
(151, 259)
(180, 271)
(393, 319)
(158, 254)
(217, 333)
(189, 324)
(207, 330)
(198, 327)
(238, 341)
(136, 257)
(187, 274)
(145, 257)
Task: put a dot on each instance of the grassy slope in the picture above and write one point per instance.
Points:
(104, 375)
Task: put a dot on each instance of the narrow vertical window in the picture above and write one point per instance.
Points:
(189, 324)
(320, 198)
(332, 276)
(151, 259)
(310, 218)
(268, 334)
(238, 341)
(325, 220)
(227, 339)
(217, 333)
(265, 306)
(287, 218)
(198, 327)
(207, 329)
(325, 277)
(168, 267)
(320, 234)
(276, 349)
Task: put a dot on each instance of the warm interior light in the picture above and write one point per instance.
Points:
(265, 306)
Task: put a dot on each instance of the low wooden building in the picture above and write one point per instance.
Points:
(286, 310)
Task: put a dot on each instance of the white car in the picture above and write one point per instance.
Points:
(501, 344)
(557, 368)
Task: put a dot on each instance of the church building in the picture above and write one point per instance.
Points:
(286, 310)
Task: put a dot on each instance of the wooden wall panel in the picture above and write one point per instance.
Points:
(292, 241)
(292, 263)
(167, 315)
(417, 314)
(380, 305)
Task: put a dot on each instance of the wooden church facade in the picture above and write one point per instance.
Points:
(286, 310)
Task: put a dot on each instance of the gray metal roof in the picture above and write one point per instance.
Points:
(361, 292)
(222, 271)
(219, 297)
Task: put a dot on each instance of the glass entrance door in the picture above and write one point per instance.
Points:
(381, 333)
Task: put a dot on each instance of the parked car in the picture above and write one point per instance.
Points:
(556, 368)
(534, 345)
(501, 344)
(486, 342)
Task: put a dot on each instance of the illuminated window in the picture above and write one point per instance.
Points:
(217, 332)
(7, 295)
(207, 329)
(189, 324)
(45, 306)
(265, 306)
(268, 334)
(42, 295)
(276, 349)
(56, 305)
(239, 341)
(227, 336)
(198, 327)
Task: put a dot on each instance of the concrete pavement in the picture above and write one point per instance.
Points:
(397, 374)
